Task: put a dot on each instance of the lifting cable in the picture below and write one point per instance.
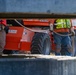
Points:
(33, 30)
(40, 31)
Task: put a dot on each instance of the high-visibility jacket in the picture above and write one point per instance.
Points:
(62, 25)
(3, 22)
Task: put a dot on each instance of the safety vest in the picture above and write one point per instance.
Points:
(62, 23)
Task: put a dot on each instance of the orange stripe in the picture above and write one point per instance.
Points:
(61, 30)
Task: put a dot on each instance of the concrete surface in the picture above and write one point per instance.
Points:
(38, 65)
(37, 9)
(41, 6)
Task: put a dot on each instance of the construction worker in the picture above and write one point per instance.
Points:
(2, 35)
(73, 21)
(62, 29)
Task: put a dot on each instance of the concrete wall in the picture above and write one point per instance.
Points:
(41, 65)
(38, 6)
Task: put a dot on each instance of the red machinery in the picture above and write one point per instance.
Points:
(19, 38)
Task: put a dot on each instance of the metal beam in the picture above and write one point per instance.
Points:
(35, 15)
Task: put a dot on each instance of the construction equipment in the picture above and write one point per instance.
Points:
(30, 36)
(37, 39)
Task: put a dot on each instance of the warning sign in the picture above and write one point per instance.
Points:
(13, 31)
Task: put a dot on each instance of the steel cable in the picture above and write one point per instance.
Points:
(41, 31)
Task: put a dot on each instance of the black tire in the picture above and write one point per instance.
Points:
(41, 44)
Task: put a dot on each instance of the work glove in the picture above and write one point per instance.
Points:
(51, 27)
(73, 33)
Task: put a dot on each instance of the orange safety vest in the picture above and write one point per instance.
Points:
(62, 30)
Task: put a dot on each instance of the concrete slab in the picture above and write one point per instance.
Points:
(38, 6)
(37, 65)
